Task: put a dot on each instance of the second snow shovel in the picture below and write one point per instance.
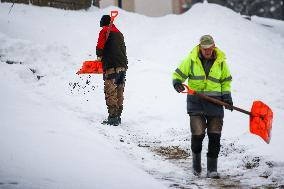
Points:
(96, 66)
(261, 115)
(91, 67)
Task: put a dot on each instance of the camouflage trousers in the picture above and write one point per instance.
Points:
(114, 82)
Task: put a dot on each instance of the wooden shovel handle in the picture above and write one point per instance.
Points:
(214, 100)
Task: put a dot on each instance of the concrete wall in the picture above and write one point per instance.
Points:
(106, 3)
(128, 5)
(153, 7)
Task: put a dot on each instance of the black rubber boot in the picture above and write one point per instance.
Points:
(114, 121)
(196, 164)
(113, 118)
(212, 168)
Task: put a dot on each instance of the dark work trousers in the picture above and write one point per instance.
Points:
(114, 82)
(198, 126)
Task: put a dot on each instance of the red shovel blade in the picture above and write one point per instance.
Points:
(261, 120)
(91, 67)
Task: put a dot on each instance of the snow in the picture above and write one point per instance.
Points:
(51, 136)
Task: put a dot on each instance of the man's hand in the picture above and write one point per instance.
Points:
(99, 58)
(227, 98)
(179, 87)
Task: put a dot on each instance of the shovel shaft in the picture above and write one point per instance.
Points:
(219, 102)
(113, 14)
(108, 30)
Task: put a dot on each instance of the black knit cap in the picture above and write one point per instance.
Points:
(105, 20)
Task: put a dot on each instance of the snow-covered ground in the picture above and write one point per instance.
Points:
(50, 131)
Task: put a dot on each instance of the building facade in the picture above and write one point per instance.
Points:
(150, 8)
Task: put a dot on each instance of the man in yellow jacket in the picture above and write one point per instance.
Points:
(207, 72)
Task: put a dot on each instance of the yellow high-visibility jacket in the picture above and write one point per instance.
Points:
(216, 84)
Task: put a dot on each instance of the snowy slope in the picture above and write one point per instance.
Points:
(51, 136)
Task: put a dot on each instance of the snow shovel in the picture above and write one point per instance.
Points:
(91, 67)
(96, 66)
(260, 115)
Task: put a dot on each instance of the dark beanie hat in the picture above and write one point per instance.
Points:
(105, 20)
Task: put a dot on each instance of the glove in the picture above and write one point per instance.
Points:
(179, 87)
(227, 98)
(99, 58)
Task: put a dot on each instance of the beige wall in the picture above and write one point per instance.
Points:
(128, 5)
(153, 7)
(146, 7)
(106, 3)
(175, 4)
